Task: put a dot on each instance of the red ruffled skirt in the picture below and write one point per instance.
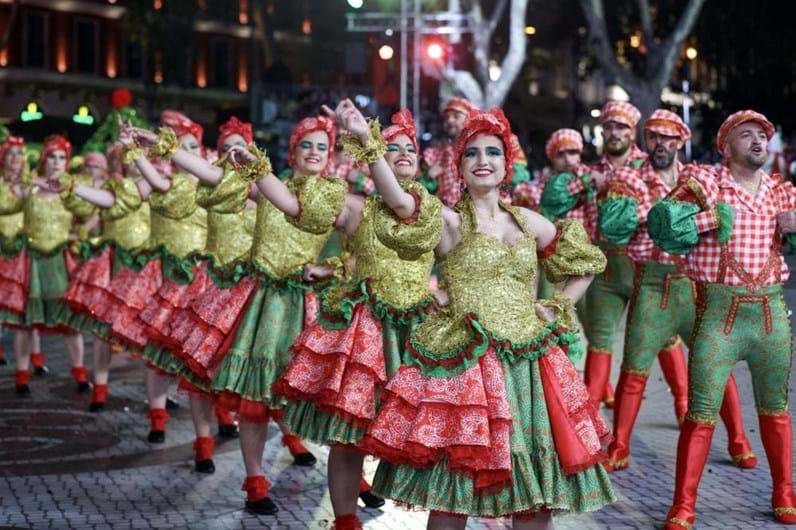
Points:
(14, 283)
(465, 420)
(89, 283)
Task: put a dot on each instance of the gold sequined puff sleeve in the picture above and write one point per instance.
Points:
(228, 196)
(571, 253)
(81, 208)
(320, 200)
(417, 235)
(179, 201)
(127, 221)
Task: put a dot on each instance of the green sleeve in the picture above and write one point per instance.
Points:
(556, 199)
(521, 174)
(618, 219)
(672, 226)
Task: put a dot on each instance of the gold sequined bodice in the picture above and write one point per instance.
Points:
(47, 222)
(11, 216)
(493, 279)
(227, 235)
(280, 246)
(127, 221)
(177, 222)
(399, 282)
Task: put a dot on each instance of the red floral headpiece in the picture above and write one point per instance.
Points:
(54, 142)
(181, 124)
(306, 126)
(234, 126)
(490, 122)
(11, 141)
(402, 123)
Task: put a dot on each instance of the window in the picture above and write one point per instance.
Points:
(86, 46)
(36, 38)
(220, 62)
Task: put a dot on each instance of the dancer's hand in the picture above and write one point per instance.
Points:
(126, 129)
(144, 137)
(316, 273)
(349, 118)
(545, 313)
(240, 156)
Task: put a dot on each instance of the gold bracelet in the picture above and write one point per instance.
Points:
(132, 153)
(259, 168)
(371, 151)
(166, 145)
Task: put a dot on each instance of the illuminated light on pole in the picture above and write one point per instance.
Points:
(31, 112)
(494, 70)
(635, 40)
(306, 26)
(356, 4)
(386, 52)
(595, 113)
(435, 51)
(530, 30)
(691, 53)
(83, 116)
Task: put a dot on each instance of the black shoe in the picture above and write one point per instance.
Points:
(264, 506)
(96, 406)
(205, 466)
(228, 431)
(304, 460)
(83, 388)
(41, 370)
(156, 437)
(171, 404)
(371, 500)
(23, 390)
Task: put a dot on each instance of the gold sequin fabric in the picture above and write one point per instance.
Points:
(227, 238)
(81, 208)
(321, 201)
(127, 221)
(47, 222)
(574, 254)
(381, 240)
(488, 278)
(11, 217)
(177, 222)
(281, 246)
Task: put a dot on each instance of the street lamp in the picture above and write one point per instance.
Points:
(691, 53)
(386, 52)
(356, 4)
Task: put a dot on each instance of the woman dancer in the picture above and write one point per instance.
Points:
(342, 362)
(488, 417)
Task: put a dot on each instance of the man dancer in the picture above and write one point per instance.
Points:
(441, 176)
(661, 309)
(728, 222)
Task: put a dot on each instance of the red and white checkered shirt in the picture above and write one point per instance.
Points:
(527, 194)
(645, 186)
(449, 188)
(751, 257)
(344, 167)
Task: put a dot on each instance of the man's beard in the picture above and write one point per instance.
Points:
(755, 161)
(662, 160)
(617, 149)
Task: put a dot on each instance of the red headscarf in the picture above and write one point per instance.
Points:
(234, 126)
(306, 126)
(490, 122)
(54, 142)
(11, 141)
(181, 124)
(402, 123)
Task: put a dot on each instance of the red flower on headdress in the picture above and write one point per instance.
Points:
(52, 143)
(402, 123)
(181, 124)
(306, 126)
(491, 122)
(121, 97)
(234, 126)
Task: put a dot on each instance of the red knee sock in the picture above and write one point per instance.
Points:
(37, 359)
(293, 444)
(80, 374)
(203, 448)
(100, 394)
(256, 488)
(158, 419)
(349, 521)
(22, 378)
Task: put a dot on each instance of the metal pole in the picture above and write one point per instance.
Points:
(687, 116)
(416, 58)
(404, 51)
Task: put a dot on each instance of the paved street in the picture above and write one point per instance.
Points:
(63, 467)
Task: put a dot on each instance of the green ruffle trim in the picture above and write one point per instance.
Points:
(672, 226)
(452, 363)
(339, 317)
(173, 268)
(304, 419)
(618, 219)
(129, 259)
(248, 377)
(556, 199)
(12, 248)
(726, 219)
(521, 174)
(429, 183)
(228, 275)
